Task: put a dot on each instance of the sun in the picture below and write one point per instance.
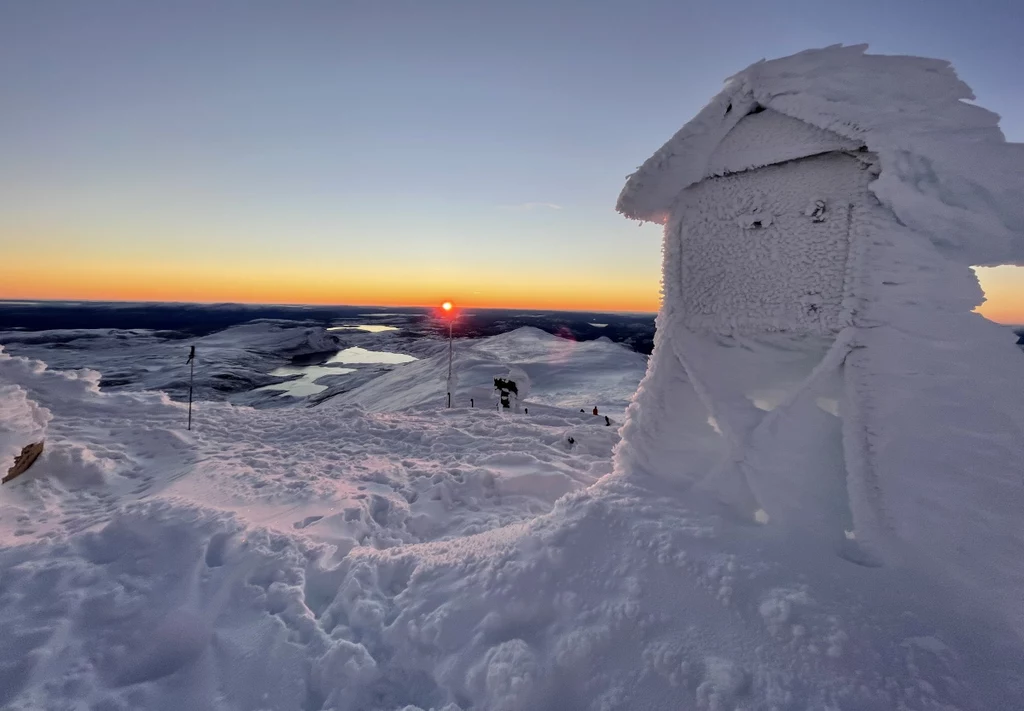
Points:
(447, 306)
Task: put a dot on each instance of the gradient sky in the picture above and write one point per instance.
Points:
(386, 151)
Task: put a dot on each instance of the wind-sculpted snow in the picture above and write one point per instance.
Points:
(333, 558)
(946, 169)
(817, 367)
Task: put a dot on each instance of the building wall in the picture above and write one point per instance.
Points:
(753, 257)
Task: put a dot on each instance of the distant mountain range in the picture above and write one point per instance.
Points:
(193, 320)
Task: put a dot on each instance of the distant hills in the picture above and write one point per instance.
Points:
(196, 320)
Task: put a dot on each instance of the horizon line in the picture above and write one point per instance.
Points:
(30, 301)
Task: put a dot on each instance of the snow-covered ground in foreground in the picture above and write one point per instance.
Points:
(379, 551)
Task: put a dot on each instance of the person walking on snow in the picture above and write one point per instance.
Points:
(595, 409)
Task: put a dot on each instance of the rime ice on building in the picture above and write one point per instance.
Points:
(817, 363)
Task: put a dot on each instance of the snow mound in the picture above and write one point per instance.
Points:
(619, 599)
(946, 168)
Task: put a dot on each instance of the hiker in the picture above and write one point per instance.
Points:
(526, 411)
(595, 409)
(571, 442)
(471, 402)
(607, 422)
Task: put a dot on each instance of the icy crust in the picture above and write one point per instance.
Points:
(946, 169)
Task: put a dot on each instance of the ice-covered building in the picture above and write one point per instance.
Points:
(817, 361)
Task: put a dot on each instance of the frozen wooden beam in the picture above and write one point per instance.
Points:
(29, 454)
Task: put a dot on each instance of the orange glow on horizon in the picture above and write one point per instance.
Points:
(625, 302)
(1004, 294)
(315, 284)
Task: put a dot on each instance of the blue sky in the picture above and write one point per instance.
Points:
(437, 138)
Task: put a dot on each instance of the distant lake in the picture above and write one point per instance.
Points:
(369, 327)
(307, 384)
(362, 355)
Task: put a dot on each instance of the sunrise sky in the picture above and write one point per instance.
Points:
(395, 151)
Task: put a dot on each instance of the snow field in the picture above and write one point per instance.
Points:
(333, 558)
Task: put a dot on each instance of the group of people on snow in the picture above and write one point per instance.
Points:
(607, 421)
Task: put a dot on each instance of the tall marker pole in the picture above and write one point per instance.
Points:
(446, 307)
(450, 353)
(191, 380)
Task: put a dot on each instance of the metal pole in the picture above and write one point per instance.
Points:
(450, 364)
(191, 380)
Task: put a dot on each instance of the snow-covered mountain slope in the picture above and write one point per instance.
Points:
(334, 558)
(232, 361)
(560, 373)
(235, 364)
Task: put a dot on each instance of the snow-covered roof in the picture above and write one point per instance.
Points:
(946, 168)
(768, 137)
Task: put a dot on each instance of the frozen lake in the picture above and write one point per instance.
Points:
(307, 384)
